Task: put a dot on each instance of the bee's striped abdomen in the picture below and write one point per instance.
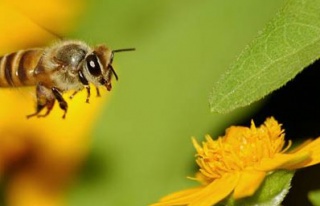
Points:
(17, 69)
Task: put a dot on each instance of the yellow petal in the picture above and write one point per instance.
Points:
(309, 146)
(56, 16)
(282, 161)
(33, 23)
(249, 182)
(202, 196)
(170, 199)
(181, 194)
(300, 147)
(216, 191)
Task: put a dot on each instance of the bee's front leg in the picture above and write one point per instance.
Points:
(74, 93)
(45, 98)
(85, 83)
(98, 92)
(62, 103)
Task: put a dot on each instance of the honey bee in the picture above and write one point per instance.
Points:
(67, 65)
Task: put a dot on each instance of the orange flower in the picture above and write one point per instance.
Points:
(238, 162)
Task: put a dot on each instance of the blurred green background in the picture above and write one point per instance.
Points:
(141, 146)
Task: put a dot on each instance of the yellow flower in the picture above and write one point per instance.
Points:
(237, 163)
(38, 156)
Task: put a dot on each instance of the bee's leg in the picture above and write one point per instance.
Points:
(49, 106)
(85, 83)
(62, 103)
(98, 92)
(108, 81)
(74, 93)
(88, 93)
(45, 98)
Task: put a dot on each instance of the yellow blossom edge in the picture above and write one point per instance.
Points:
(307, 154)
(283, 161)
(310, 146)
(202, 196)
(40, 22)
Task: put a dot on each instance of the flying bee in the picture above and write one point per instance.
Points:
(67, 65)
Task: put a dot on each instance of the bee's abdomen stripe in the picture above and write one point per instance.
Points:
(29, 60)
(22, 70)
(8, 66)
(3, 81)
(17, 69)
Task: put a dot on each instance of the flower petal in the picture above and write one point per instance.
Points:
(314, 148)
(248, 183)
(204, 195)
(178, 198)
(217, 190)
(300, 146)
(283, 161)
(58, 16)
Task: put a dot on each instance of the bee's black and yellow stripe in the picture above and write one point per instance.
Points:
(17, 69)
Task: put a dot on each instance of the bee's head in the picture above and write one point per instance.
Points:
(98, 66)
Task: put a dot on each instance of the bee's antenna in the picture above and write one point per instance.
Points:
(114, 72)
(115, 51)
(122, 50)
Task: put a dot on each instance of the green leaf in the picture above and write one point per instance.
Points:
(289, 43)
(314, 197)
(272, 191)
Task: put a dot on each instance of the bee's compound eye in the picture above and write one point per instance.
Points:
(93, 65)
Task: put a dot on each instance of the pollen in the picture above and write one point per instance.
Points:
(239, 149)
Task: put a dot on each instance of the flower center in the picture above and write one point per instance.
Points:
(241, 148)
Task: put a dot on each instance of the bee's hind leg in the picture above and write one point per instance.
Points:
(62, 103)
(45, 98)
